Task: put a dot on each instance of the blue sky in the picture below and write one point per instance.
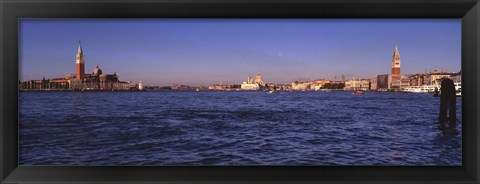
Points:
(209, 51)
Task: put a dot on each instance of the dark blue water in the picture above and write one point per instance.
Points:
(234, 128)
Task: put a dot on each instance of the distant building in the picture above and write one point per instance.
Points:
(386, 81)
(259, 79)
(215, 87)
(400, 84)
(250, 80)
(395, 80)
(246, 86)
(252, 84)
(272, 86)
(80, 80)
(309, 85)
(296, 85)
(320, 83)
(373, 83)
(416, 79)
(362, 84)
(435, 78)
(383, 82)
(456, 77)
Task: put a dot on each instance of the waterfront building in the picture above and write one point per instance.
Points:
(388, 82)
(398, 82)
(318, 84)
(250, 80)
(80, 80)
(253, 84)
(382, 82)
(426, 83)
(219, 87)
(309, 85)
(182, 87)
(272, 86)
(373, 83)
(317, 87)
(286, 87)
(214, 87)
(296, 85)
(456, 77)
(401, 84)
(416, 79)
(259, 79)
(321, 82)
(435, 78)
(392, 81)
(44, 84)
(246, 86)
(361, 84)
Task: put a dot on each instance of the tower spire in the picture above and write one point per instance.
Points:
(395, 51)
(396, 61)
(80, 51)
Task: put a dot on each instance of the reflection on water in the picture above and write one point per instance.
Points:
(235, 128)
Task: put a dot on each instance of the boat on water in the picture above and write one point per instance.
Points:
(358, 92)
(458, 89)
(431, 89)
(273, 91)
(421, 89)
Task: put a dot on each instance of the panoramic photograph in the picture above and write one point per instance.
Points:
(240, 92)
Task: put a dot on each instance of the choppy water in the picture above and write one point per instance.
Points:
(234, 128)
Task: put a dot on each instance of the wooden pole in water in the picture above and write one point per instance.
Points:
(447, 102)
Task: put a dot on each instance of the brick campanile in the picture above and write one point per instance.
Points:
(396, 61)
(80, 62)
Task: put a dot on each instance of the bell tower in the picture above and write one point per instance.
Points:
(396, 61)
(80, 62)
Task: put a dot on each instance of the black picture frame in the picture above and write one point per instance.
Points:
(13, 10)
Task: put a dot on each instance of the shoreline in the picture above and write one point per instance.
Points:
(319, 91)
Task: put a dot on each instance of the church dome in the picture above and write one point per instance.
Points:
(97, 71)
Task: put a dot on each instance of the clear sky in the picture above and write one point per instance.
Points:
(210, 51)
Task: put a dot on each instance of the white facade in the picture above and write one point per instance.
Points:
(253, 84)
(434, 78)
(246, 86)
(357, 85)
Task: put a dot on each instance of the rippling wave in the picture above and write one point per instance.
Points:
(234, 128)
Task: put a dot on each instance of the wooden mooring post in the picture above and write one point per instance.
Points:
(447, 102)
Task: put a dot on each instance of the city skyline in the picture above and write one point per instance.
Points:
(208, 51)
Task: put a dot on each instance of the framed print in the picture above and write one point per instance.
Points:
(270, 91)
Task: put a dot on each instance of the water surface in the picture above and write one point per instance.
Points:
(234, 128)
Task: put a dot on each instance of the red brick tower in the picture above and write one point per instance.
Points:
(80, 61)
(396, 61)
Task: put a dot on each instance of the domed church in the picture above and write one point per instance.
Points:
(80, 80)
